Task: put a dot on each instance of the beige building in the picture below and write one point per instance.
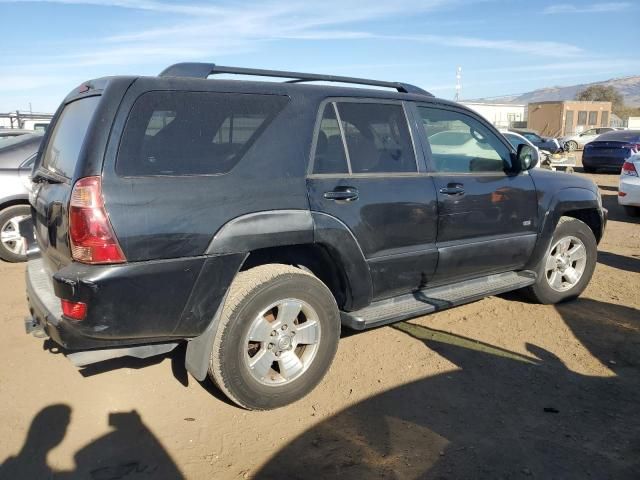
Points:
(557, 119)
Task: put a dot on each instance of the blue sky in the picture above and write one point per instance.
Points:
(503, 46)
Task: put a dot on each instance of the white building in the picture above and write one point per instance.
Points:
(502, 115)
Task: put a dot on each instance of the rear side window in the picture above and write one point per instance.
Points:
(376, 136)
(193, 133)
(63, 148)
(330, 156)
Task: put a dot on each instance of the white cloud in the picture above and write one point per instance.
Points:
(587, 8)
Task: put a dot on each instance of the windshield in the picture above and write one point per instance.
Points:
(68, 135)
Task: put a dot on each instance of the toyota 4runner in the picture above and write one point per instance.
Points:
(252, 220)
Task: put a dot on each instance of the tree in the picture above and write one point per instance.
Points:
(602, 93)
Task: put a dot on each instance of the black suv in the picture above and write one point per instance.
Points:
(253, 219)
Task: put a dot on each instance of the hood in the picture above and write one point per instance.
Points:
(555, 181)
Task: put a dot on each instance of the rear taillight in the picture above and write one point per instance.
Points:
(92, 238)
(629, 168)
(74, 310)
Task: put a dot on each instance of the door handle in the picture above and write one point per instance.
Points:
(453, 189)
(347, 194)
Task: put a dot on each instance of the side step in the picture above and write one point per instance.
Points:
(434, 299)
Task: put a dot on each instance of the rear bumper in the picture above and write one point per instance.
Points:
(594, 161)
(129, 304)
(630, 186)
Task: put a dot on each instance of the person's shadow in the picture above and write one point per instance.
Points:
(47, 430)
(129, 451)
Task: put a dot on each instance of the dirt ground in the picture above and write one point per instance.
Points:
(496, 389)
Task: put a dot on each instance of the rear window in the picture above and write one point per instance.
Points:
(193, 133)
(630, 136)
(68, 135)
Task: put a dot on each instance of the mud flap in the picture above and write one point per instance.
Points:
(199, 349)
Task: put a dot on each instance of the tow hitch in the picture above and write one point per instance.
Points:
(32, 326)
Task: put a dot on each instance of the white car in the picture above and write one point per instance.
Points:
(579, 140)
(629, 188)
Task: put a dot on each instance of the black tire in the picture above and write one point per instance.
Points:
(632, 211)
(570, 146)
(541, 291)
(250, 294)
(5, 216)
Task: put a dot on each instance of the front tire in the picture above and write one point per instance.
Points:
(571, 146)
(11, 243)
(566, 268)
(278, 334)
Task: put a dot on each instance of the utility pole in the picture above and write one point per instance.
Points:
(458, 84)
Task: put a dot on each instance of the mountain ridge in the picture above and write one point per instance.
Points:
(629, 88)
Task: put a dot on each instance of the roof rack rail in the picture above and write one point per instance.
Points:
(203, 70)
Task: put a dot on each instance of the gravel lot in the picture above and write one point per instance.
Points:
(496, 389)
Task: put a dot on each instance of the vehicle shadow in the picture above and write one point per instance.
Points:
(499, 415)
(129, 450)
(616, 212)
(630, 264)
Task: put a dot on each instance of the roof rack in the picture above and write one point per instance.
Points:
(203, 70)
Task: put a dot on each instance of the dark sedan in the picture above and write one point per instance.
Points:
(610, 150)
(543, 143)
(16, 160)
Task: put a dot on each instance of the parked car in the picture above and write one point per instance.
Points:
(252, 220)
(549, 144)
(610, 150)
(579, 140)
(17, 155)
(515, 139)
(629, 187)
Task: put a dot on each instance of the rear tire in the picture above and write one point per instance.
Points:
(11, 244)
(278, 334)
(632, 211)
(566, 268)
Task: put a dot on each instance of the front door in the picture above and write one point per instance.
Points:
(365, 173)
(487, 217)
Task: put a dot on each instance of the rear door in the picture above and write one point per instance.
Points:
(487, 217)
(366, 174)
(54, 179)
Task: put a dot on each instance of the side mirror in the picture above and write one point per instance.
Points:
(527, 157)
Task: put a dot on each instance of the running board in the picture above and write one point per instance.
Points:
(434, 299)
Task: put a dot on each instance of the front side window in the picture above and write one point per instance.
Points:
(193, 133)
(460, 143)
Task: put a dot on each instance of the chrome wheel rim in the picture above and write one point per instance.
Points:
(565, 263)
(571, 145)
(10, 235)
(282, 342)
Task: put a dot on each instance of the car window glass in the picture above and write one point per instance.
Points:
(514, 140)
(460, 143)
(192, 133)
(377, 138)
(329, 155)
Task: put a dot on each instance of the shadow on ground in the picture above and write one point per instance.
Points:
(129, 450)
(501, 415)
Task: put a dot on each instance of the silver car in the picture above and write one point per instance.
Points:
(579, 140)
(17, 155)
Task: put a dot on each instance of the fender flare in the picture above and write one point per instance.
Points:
(563, 201)
(280, 228)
